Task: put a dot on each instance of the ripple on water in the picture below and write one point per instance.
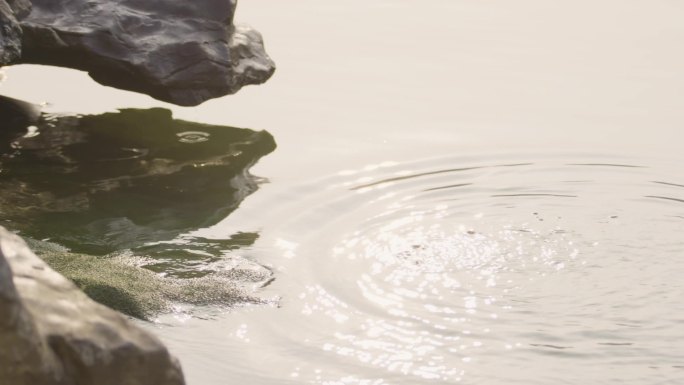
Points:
(503, 272)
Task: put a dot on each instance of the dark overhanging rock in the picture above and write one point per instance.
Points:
(182, 52)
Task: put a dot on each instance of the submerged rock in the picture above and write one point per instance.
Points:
(121, 282)
(53, 334)
(182, 52)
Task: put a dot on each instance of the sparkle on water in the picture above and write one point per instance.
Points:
(445, 271)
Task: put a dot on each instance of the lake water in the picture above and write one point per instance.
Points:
(476, 192)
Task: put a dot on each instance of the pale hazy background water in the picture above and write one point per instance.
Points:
(450, 199)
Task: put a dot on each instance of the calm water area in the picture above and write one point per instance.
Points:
(463, 191)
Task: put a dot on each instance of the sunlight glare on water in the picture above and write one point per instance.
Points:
(482, 273)
(444, 289)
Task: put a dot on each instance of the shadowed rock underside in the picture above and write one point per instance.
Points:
(179, 52)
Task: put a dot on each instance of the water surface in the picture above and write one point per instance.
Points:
(518, 269)
(463, 192)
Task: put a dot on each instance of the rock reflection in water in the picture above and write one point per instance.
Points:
(100, 183)
(122, 184)
(15, 117)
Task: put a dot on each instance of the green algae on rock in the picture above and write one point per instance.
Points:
(121, 282)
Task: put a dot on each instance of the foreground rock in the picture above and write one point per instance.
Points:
(53, 334)
(183, 52)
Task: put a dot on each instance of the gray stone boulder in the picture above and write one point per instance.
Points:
(182, 52)
(53, 334)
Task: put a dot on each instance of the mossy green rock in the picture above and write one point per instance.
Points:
(120, 282)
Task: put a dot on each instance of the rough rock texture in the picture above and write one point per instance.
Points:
(25, 357)
(120, 282)
(183, 52)
(21, 8)
(10, 34)
(53, 334)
